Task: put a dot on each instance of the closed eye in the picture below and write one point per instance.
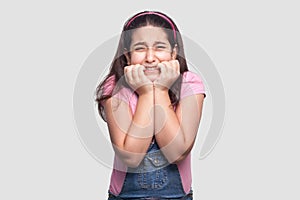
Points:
(140, 48)
(160, 47)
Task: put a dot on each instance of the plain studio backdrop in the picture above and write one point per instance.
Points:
(253, 44)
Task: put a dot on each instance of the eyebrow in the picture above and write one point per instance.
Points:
(145, 44)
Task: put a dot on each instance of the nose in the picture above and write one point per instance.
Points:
(150, 56)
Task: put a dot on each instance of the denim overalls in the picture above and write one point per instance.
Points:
(154, 178)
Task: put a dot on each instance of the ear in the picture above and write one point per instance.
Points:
(174, 52)
(127, 55)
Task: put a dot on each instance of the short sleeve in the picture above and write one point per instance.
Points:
(191, 85)
(124, 94)
(127, 96)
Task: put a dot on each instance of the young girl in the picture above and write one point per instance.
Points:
(152, 105)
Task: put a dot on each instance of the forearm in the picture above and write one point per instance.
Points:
(141, 130)
(168, 131)
(139, 134)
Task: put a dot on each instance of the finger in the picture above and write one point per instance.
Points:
(128, 75)
(135, 74)
(169, 67)
(177, 65)
(125, 73)
(141, 73)
(162, 68)
(128, 69)
(172, 68)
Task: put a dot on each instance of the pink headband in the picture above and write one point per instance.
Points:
(154, 13)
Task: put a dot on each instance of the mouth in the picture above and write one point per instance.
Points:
(151, 68)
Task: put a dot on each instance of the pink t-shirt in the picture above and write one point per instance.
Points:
(191, 85)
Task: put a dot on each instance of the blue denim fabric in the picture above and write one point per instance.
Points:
(187, 197)
(154, 178)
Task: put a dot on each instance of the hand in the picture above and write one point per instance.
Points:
(169, 73)
(137, 80)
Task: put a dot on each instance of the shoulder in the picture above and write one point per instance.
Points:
(118, 91)
(191, 84)
(189, 76)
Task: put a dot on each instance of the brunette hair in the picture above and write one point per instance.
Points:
(145, 18)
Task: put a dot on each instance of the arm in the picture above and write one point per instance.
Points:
(175, 130)
(131, 134)
(177, 134)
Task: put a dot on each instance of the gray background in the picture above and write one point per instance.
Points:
(254, 45)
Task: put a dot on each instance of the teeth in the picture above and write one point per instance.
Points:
(150, 69)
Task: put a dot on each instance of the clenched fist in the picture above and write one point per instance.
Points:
(137, 80)
(169, 73)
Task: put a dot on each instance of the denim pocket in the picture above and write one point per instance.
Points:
(152, 173)
(157, 159)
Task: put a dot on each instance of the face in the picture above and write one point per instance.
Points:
(149, 47)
